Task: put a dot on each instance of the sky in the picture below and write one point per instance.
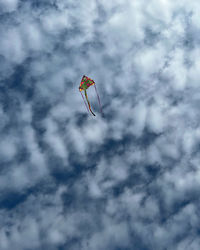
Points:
(127, 180)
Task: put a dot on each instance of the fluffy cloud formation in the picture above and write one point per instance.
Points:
(125, 180)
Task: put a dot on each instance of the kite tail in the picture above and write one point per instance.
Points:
(98, 99)
(88, 103)
(84, 102)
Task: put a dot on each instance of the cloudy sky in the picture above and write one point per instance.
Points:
(128, 180)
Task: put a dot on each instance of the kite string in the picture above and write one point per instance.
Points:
(84, 102)
(98, 99)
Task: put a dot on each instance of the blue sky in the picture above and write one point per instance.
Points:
(127, 181)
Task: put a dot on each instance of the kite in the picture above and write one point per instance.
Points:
(86, 82)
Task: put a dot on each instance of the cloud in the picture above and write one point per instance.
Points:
(125, 180)
(9, 6)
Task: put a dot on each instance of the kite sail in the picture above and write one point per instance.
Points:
(86, 82)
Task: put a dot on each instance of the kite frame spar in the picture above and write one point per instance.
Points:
(86, 82)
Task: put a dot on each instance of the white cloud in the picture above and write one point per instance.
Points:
(8, 148)
(54, 140)
(140, 112)
(32, 36)
(55, 22)
(9, 5)
(12, 51)
(132, 176)
(155, 120)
